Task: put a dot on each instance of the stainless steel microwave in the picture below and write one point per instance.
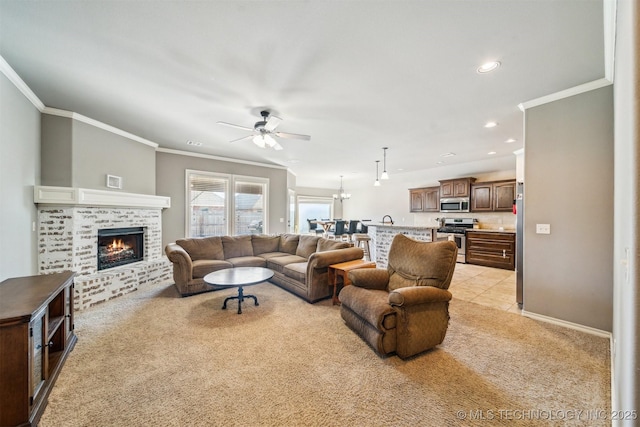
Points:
(457, 204)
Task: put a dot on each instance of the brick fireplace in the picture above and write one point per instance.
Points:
(69, 223)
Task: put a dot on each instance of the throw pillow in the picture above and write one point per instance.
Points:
(289, 243)
(328, 245)
(263, 244)
(203, 248)
(235, 246)
(307, 245)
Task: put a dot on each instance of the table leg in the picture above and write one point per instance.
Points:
(241, 296)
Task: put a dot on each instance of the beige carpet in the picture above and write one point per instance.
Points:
(154, 359)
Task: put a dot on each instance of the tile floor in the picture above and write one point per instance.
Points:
(487, 286)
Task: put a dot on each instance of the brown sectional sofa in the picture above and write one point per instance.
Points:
(299, 262)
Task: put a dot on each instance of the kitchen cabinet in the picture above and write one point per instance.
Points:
(460, 187)
(495, 196)
(36, 336)
(424, 199)
(491, 249)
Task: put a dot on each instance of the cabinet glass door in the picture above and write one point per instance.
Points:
(38, 354)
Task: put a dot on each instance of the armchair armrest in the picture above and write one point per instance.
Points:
(415, 295)
(370, 278)
(182, 264)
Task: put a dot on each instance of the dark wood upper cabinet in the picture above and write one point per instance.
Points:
(456, 187)
(495, 196)
(424, 199)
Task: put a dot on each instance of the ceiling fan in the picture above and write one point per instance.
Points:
(265, 130)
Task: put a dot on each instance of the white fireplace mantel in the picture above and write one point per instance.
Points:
(71, 196)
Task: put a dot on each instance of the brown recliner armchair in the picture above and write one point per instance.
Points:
(405, 308)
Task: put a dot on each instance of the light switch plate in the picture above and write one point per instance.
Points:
(543, 228)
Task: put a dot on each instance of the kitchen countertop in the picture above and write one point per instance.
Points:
(419, 227)
(491, 230)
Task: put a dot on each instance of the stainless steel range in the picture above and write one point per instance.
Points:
(455, 229)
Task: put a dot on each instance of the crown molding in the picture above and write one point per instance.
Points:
(20, 84)
(224, 159)
(97, 124)
(576, 90)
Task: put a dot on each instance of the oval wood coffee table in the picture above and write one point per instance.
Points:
(237, 278)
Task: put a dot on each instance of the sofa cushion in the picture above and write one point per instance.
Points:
(278, 263)
(307, 245)
(236, 246)
(329, 245)
(269, 255)
(247, 261)
(297, 271)
(289, 243)
(207, 248)
(205, 266)
(264, 244)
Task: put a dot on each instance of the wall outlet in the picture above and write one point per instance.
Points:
(543, 228)
(281, 219)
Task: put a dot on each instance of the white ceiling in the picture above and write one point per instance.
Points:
(355, 75)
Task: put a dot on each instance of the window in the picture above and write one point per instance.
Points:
(250, 205)
(209, 201)
(313, 208)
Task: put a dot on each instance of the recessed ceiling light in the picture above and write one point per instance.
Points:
(491, 153)
(194, 143)
(510, 140)
(487, 67)
(491, 124)
(447, 155)
(439, 162)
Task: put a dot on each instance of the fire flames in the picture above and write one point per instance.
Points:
(117, 246)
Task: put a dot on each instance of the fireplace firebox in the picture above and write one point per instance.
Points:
(120, 246)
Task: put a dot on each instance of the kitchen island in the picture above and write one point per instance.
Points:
(382, 235)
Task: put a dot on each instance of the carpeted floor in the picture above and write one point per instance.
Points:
(153, 359)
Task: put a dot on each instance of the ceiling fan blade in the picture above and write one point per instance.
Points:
(234, 126)
(272, 123)
(292, 136)
(277, 147)
(243, 138)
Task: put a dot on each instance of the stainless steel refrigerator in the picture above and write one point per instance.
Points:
(519, 242)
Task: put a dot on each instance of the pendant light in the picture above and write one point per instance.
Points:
(377, 183)
(384, 175)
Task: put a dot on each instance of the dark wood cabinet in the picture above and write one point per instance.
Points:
(460, 187)
(424, 199)
(495, 196)
(36, 336)
(491, 249)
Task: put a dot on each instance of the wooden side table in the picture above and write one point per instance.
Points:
(337, 271)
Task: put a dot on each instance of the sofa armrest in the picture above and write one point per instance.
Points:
(415, 295)
(370, 278)
(182, 264)
(326, 258)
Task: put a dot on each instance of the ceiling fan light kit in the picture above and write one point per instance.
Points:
(264, 132)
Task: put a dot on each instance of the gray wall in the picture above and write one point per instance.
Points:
(568, 183)
(76, 154)
(19, 172)
(626, 328)
(170, 181)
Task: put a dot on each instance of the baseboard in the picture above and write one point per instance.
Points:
(566, 324)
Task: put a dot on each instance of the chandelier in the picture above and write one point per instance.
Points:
(342, 195)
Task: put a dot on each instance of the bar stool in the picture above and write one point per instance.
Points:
(362, 240)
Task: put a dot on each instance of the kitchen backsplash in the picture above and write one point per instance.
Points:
(489, 220)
